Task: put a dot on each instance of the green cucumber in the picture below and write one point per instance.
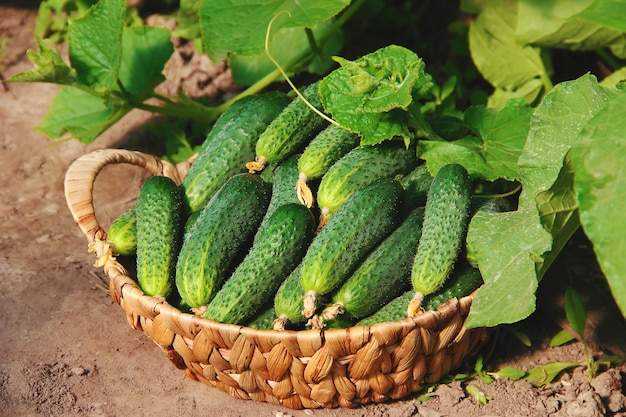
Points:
(445, 223)
(229, 145)
(123, 233)
(264, 320)
(290, 131)
(460, 284)
(321, 153)
(382, 275)
(223, 228)
(360, 167)
(278, 247)
(159, 213)
(288, 301)
(361, 223)
(284, 177)
(416, 185)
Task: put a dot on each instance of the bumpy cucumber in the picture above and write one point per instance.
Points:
(460, 284)
(290, 131)
(416, 185)
(264, 320)
(360, 167)
(284, 177)
(223, 228)
(321, 153)
(360, 224)
(288, 301)
(229, 145)
(445, 224)
(159, 211)
(382, 275)
(278, 247)
(123, 233)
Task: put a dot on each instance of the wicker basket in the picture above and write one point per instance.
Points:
(296, 369)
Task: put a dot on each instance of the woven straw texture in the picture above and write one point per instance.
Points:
(296, 369)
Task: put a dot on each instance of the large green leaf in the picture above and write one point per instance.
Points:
(240, 26)
(507, 247)
(371, 95)
(79, 114)
(554, 127)
(95, 44)
(570, 25)
(607, 13)
(145, 50)
(493, 152)
(505, 63)
(600, 178)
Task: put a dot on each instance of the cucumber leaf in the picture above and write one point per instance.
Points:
(515, 69)
(49, 66)
(600, 174)
(287, 45)
(494, 151)
(507, 247)
(554, 127)
(240, 26)
(145, 50)
(82, 115)
(514, 249)
(556, 24)
(95, 44)
(607, 13)
(371, 95)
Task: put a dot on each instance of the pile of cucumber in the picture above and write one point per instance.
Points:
(285, 221)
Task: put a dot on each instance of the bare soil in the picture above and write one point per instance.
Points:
(67, 350)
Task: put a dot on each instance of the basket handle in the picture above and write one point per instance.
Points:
(82, 173)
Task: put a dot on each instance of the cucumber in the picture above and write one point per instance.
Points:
(289, 131)
(264, 320)
(416, 185)
(283, 179)
(360, 167)
(460, 284)
(123, 233)
(445, 223)
(288, 301)
(159, 213)
(278, 247)
(229, 145)
(321, 153)
(360, 224)
(384, 273)
(223, 228)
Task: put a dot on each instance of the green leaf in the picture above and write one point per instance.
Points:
(507, 246)
(49, 66)
(286, 45)
(370, 96)
(509, 372)
(95, 44)
(240, 26)
(480, 396)
(561, 338)
(600, 174)
(504, 62)
(80, 114)
(544, 374)
(554, 127)
(145, 50)
(494, 152)
(607, 13)
(567, 24)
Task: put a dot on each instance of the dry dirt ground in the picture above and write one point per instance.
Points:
(67, 350)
